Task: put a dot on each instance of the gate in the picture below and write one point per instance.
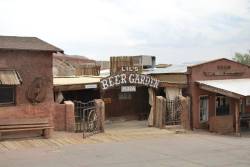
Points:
(86, 119)
(173, 112)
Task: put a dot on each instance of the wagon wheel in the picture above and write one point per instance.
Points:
(92, 121)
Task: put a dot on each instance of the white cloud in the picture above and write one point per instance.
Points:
(198, 29)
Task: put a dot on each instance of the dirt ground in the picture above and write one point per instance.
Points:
(114, 132)
(128, 144)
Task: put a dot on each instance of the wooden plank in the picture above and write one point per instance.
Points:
(26, 129)
(23, 126)
(24, 121)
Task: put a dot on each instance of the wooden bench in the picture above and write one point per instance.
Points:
(35, 124)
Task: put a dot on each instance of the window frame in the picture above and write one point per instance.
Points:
(229, 105)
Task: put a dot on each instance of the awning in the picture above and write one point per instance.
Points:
(76, 83)
(235, 88)
(58, 81)
(9, 77)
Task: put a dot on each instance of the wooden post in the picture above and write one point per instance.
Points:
(237, 115)
(163, 113)
(154, 107)
(160, 112)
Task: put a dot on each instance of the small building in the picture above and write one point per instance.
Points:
(219, 91)
(26, 80)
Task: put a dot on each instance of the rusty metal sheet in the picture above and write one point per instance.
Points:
(9, 77)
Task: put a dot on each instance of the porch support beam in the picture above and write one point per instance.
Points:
(237, 117)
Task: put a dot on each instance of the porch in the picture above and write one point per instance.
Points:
(224, 105)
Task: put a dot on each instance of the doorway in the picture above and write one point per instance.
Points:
(204, 109)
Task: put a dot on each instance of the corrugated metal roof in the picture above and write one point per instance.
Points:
(9, 77)
(182, 68)
(26, 43)
(105, 73)
(57, 81)
(174, 68)
(238, 86)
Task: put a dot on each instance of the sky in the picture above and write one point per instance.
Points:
(175, 31)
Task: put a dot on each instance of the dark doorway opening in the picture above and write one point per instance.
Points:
(83, 95)
(126, 105)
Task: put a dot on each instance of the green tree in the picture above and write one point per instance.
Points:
(242, 58)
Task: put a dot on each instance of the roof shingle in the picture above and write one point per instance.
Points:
(26, 43)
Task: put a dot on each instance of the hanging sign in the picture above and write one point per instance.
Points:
(91, 86)
(126, 79)
(128, 89)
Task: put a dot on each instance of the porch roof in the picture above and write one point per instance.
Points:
(235, 88)
(75, 80)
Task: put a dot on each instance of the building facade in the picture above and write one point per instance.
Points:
(26, 80)
(216, 108)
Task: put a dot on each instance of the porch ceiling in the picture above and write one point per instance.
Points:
(235, 88)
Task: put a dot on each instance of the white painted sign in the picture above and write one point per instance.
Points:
(129, 78)
(91, 86)
(128, 89)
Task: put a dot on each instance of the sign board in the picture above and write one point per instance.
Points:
(128, 89)
(91, 86)
(130, 68)
(127, 79)
(223, 70)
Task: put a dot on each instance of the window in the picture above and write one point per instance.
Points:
(203, 109)
(222, 105)
(7, 94)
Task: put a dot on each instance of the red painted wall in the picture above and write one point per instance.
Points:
(29, 64)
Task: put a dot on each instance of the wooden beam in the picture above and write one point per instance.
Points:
(72, 87)
(176, 85)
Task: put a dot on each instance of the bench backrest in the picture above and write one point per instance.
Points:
(24, 121)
